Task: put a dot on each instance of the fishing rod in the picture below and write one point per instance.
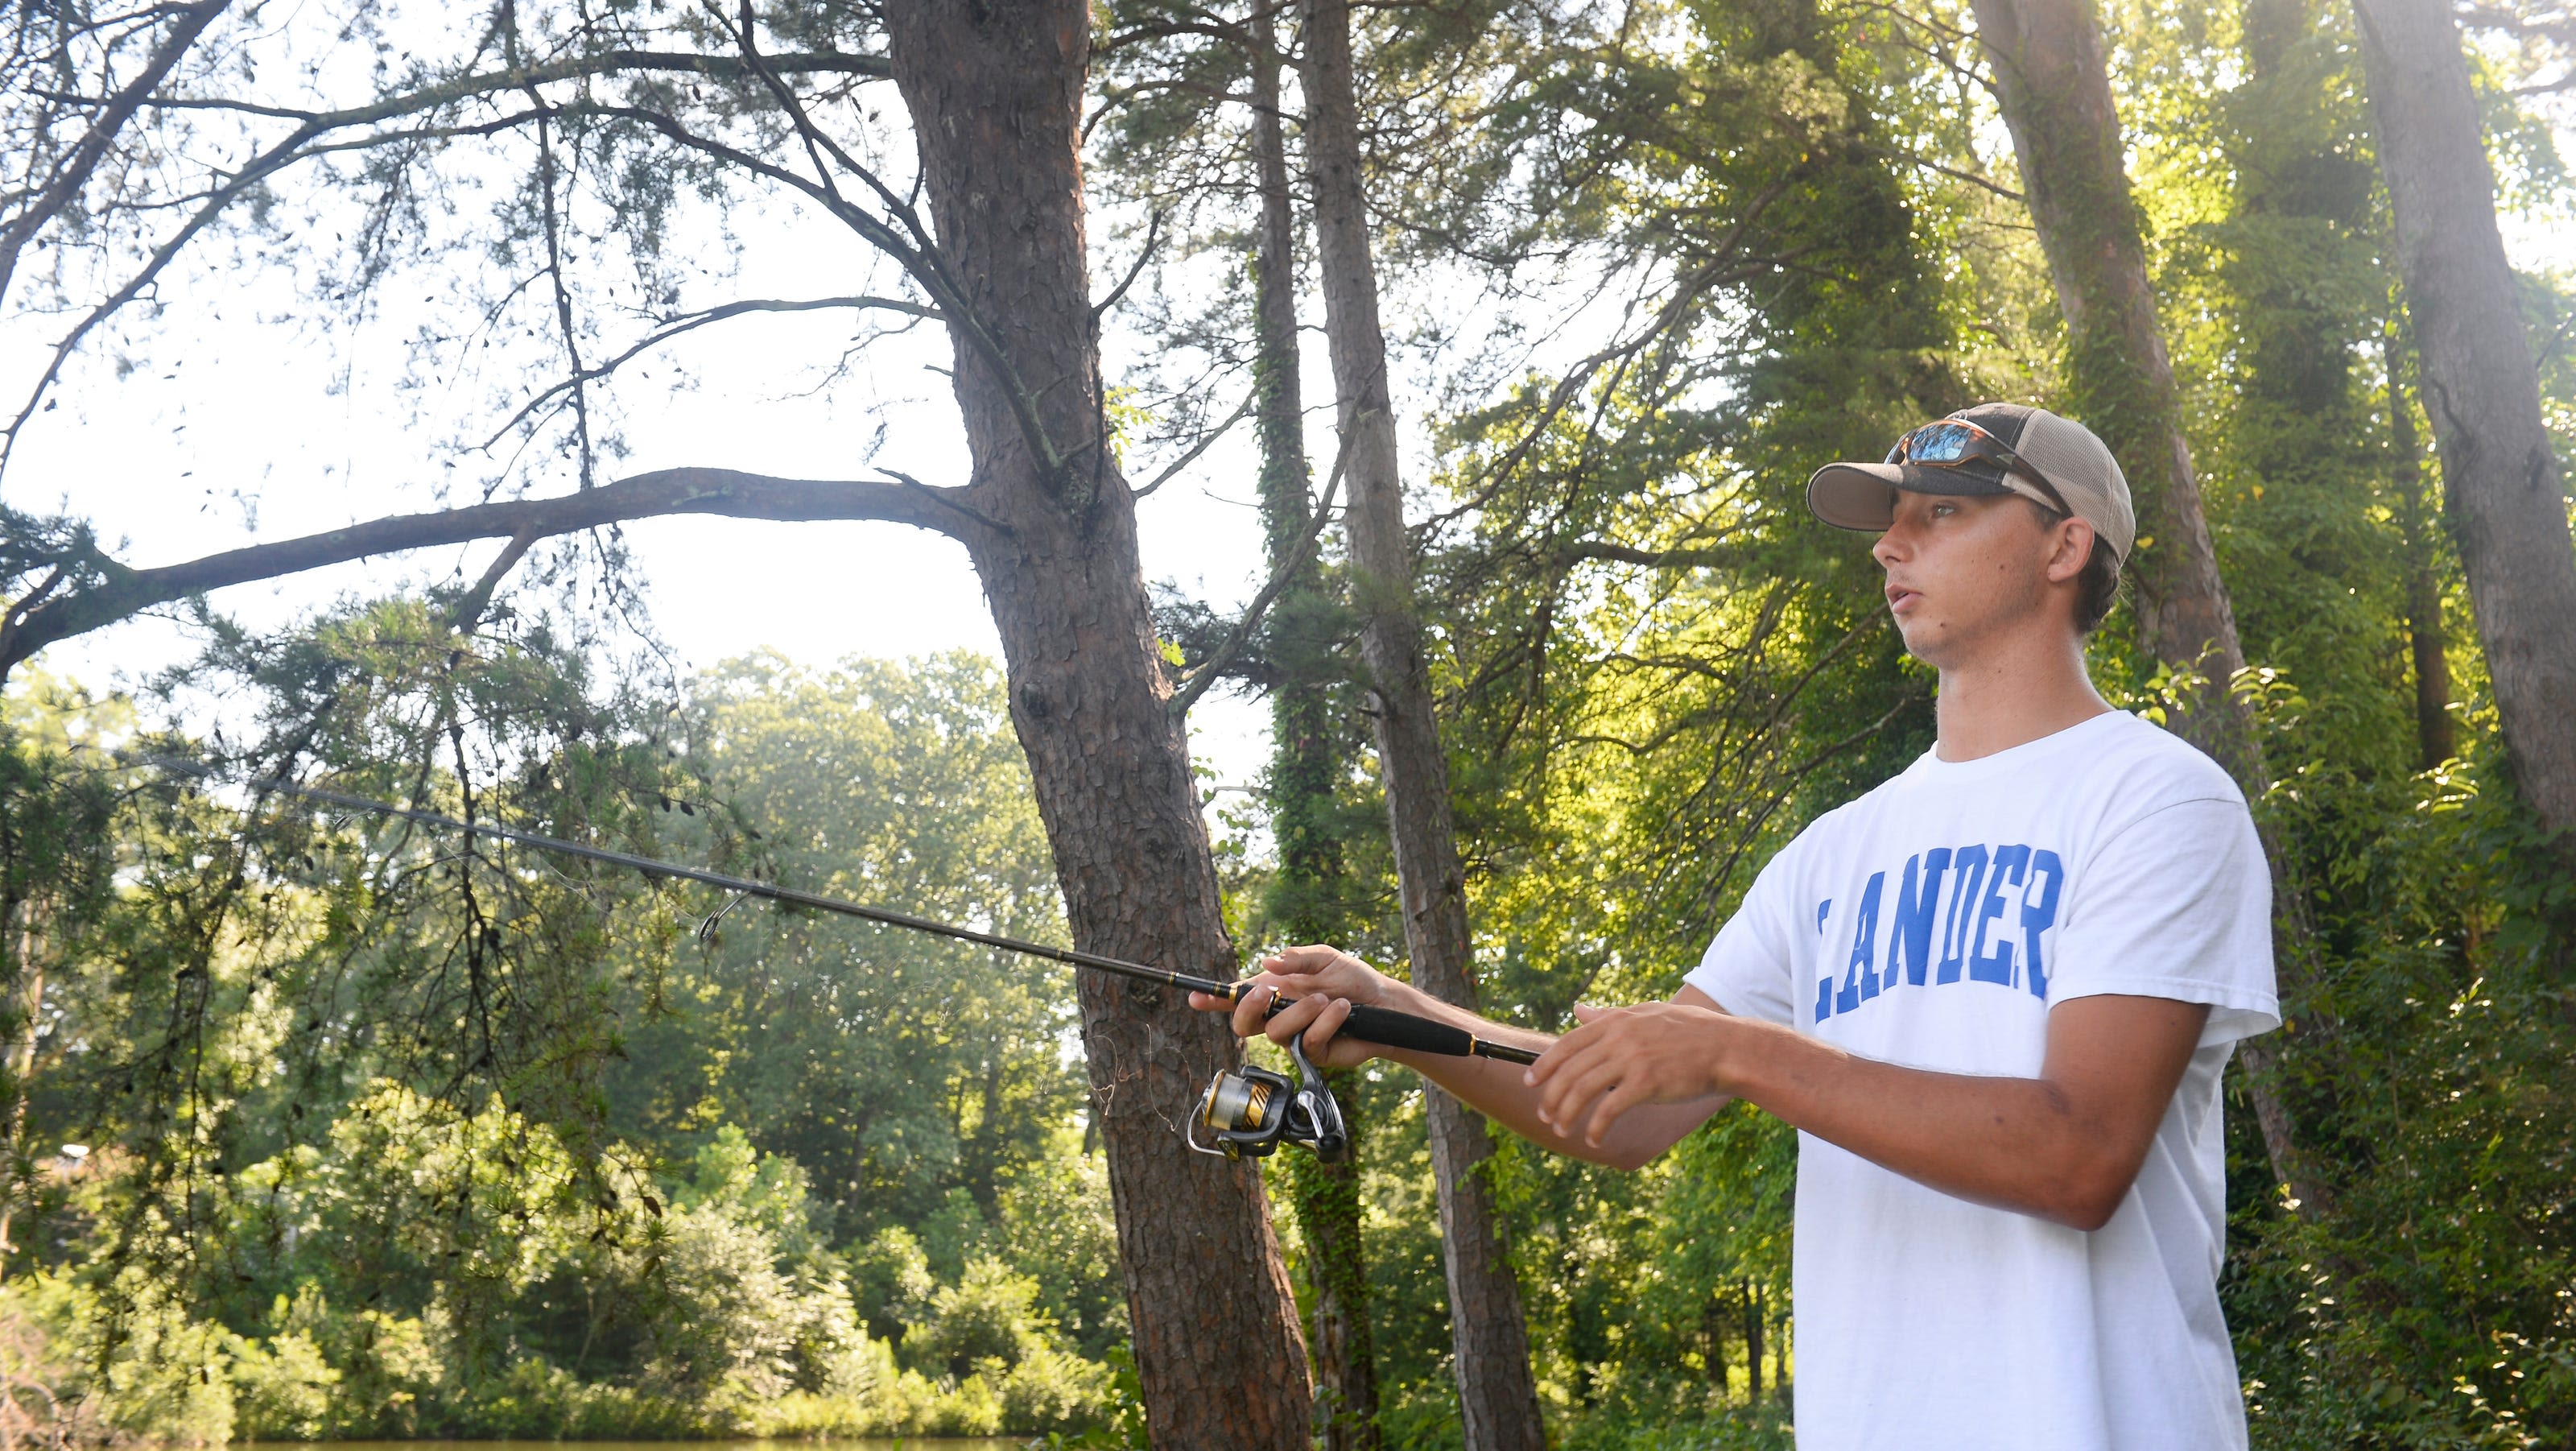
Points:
(1247, 1111)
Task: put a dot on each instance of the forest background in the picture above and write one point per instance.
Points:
(322, 1127)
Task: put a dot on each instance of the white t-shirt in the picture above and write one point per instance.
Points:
(1932, 923)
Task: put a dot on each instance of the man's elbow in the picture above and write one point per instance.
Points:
(2091, 1194)
(1613, 1155)
(2089, 1214)
(1630, 1157)
(1622, 1151)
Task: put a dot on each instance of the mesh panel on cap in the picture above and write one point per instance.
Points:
(2003, 420)
(2085, 474)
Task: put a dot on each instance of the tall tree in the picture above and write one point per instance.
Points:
(2436, 734)
(2055, 93)
(997, 97)
(1497, 1398)
(1306, 759)
(2507, 500)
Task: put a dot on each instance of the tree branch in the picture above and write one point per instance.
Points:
(469, 607)
(690, 322)
(1709, 276)
(114, 112)
(1679, 558)
(922, 262)
(313, 125)
(722, 492)
(482, 83)
(922, 256)
(1206, 441)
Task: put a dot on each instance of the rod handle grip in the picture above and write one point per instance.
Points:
(1392, 1029)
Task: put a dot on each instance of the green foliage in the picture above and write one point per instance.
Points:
(896, 787)
(338, 1222)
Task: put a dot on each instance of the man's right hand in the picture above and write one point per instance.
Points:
(1325, 981)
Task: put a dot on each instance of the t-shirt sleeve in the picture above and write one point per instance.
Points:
(2177, 904)
(1747, 969)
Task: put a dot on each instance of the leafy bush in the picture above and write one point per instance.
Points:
(705, 1307)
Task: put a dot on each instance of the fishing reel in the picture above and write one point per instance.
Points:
(1248, 1111)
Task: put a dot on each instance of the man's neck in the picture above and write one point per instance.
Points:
(2024, 688)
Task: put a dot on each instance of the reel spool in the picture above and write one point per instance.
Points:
(1249, 1111)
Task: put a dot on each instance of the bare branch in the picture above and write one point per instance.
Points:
(1145, 254)
(1206, 442)
(722, 492)
(469, 607)
(589, 65)
(118, 109)
(922, 261)
(249, 177)
(690, 322)
(313, 125)
(564, 326)
(1679, 558)
(949, 499)
(1956, 174)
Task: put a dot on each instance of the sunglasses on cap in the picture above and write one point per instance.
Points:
(1955, 443)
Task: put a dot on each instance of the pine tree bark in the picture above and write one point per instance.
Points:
(1305, 767)
(996, 93)
(1497, 1398)
(2507, 500)
(2055, 93)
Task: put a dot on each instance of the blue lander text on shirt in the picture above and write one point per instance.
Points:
(1997, 903)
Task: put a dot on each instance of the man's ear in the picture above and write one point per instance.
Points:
(2074, 545)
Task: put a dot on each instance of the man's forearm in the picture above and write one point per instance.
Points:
(2058, 1147)
(1501, 1092)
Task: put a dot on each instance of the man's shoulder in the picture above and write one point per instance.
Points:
(2150, 768)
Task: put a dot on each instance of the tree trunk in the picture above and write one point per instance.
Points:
(1497, 1399)
(2056, 101)
(1754, 1313)
(995, 94)
(2435, 736)
(1305, 768)
(2507, 504)
(15, 1182)
(1713, 1335)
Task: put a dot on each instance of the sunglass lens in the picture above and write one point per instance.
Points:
(1940, 443)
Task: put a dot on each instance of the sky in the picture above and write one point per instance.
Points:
(224, 402)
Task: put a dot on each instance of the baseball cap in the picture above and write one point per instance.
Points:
(2076, 464)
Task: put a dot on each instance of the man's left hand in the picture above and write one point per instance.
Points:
(1620, 1058)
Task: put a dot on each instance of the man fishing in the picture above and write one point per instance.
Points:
(1994, 995)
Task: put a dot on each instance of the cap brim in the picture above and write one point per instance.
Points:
(1863, 496)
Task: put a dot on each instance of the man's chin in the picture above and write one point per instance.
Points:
(1925, 642)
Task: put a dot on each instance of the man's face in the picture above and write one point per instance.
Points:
(1963, 571)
